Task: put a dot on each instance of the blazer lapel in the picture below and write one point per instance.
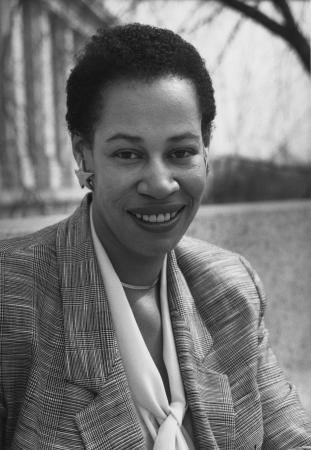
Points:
(109, 421)
(208, 391)
(92, 357)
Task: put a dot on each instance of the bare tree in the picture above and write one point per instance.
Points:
(287, 29)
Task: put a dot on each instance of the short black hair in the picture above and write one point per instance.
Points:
(133, 52)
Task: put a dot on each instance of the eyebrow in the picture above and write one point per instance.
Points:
(181, 137)
(137, 139)
(127, 137)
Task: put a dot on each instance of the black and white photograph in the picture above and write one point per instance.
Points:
(155, 225)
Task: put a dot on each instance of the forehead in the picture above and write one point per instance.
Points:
(134, 103)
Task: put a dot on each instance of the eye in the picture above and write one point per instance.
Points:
(182, 153)
(127, 154)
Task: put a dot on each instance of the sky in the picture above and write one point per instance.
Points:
(262, 93)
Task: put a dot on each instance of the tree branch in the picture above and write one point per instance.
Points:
(256, 15)
(203, 21)
(288, 31)
(284, 8)
(229, 40)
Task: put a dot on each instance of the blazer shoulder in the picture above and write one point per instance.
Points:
(197, 250)
(201, 257)
(28, 243)
(214, 272)
(28, 263)
(68, 228)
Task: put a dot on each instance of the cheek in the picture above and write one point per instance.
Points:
(195, 183)
(106, 184)
(111, 192)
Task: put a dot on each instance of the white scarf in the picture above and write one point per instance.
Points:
(163, 420)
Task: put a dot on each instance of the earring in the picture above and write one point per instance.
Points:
(85, 178)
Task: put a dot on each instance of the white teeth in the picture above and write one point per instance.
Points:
(159, 218)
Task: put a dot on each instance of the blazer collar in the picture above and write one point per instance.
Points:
(92, 356)
(208, 391)
(90, 341)
(93, 360)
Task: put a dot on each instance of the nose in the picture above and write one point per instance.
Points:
(157, 181)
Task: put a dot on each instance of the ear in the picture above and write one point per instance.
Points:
(206, 157)
(82, 152)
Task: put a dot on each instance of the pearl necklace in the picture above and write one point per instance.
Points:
(139, 288)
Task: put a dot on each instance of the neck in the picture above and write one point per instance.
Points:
(134, 269)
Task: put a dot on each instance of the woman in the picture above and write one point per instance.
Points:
(116, 332)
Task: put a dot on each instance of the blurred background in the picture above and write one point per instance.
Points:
(259, 188)
(258, 53)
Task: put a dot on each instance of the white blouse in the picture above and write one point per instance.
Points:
(161, 421)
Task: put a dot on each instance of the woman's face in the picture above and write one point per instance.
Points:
(148, 160)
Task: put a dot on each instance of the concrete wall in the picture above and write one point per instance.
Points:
(276, 239)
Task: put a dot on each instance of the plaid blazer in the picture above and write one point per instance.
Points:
(63, 385)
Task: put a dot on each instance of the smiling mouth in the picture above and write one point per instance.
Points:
(161, 218)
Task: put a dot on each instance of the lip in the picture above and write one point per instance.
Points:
(157, 209)
(159, 227)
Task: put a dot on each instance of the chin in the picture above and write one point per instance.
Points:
(159, 249)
